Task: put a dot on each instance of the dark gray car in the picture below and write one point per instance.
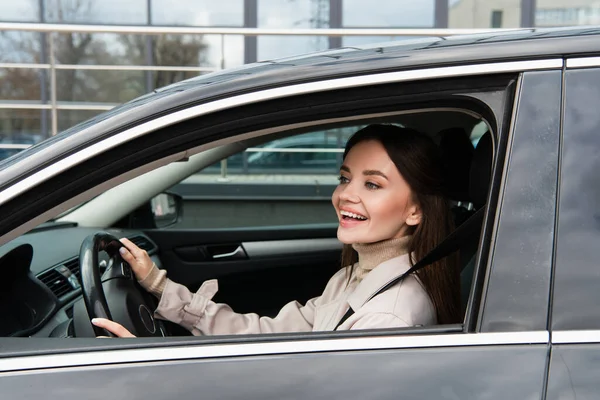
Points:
(530, 277)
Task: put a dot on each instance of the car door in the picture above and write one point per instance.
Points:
(575, 314)
(500, 351)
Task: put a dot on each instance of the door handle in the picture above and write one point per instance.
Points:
(237, 254)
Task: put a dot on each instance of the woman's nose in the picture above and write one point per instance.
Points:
(349, 194)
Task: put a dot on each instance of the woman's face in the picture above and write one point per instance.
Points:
(373, 201)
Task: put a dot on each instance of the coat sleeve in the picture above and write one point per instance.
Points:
(379, 320)
(200, 315)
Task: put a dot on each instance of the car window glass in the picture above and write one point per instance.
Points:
(289, 180)
(270, 184)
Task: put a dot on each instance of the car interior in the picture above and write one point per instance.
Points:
(259, 268)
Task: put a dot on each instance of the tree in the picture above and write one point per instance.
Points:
(168, 50)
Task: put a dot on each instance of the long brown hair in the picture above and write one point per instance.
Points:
(418, 160)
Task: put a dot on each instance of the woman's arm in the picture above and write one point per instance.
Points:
(197, 312)
(200, 315)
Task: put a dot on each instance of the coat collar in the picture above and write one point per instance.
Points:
(380, 276)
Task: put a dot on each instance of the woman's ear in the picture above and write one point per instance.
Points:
(414, 215)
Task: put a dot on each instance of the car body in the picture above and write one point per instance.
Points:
(531, 327)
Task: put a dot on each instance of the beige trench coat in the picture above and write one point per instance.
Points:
(404, 304)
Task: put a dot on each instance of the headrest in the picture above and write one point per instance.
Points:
(457, 153)
(481, 170)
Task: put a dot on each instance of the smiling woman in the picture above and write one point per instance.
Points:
(391, 212)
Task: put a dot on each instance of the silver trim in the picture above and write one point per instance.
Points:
(271, 348)
(237, 254)
(583, 62)
(288, 247)
(269, 94)
(149, 313)
(14, 146)
(565, 337)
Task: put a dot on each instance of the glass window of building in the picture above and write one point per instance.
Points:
(370, 40)
(19, 11)
(99, 86)
(197, 12)
(273, 47)
(99, 49)
(388, 13)
(550, 13)
(20, 47)
(209, 51)
(467, 14)
(20, 129)
(291, 14)
(96, 11)
(22, 84)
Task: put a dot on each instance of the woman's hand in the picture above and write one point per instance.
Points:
(138, 259)
(114, 328)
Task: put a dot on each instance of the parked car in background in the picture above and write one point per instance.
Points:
(516, 119)
(6, 152)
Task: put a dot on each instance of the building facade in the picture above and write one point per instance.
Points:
(50, 81)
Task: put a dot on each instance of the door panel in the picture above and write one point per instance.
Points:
(574, 371)
(273, 267)
(519, 280)
(503, 372)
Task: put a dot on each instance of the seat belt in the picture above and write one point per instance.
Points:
(448, 246)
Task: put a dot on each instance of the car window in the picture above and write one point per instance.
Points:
(289, 180)
(270, 184)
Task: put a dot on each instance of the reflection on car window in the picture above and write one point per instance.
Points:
(310, 153)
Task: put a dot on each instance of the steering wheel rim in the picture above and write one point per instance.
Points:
(133, 312)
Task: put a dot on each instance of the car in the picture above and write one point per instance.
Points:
(515, 116)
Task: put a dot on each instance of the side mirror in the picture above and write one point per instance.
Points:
(167, 209)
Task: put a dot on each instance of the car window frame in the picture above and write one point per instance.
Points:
(539, 337)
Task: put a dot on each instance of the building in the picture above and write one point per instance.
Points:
(51, 81)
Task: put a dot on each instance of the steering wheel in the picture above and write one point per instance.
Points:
(129, 302)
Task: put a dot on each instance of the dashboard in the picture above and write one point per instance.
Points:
(41, 284)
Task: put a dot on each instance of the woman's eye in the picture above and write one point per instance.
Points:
(372, 186)
(343, 179)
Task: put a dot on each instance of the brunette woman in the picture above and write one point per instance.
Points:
(392, 211)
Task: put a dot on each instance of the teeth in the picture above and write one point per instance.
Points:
(352, 215)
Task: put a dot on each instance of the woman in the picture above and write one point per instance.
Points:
(391, 212)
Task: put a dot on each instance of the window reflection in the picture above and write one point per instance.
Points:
(212, 51)
(18, 84)
(99, 49)
(553, 13)
(20, 47)
(96, 11)
(99, 86)
(21, 127)
(369, 40)
(309, 153)
(198, 12)
(21, 11)
(388, 13)
(291, 14)
(271, 47)
(484, 14)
